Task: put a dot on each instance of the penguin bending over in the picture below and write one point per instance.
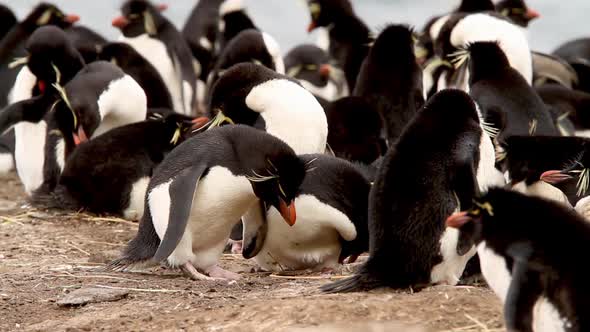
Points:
(257, 96)
(248, 46)
(199, 191)
(391, 80)
(431, 172)
(528, 253)
(310, 65)
(109, 174)
(331, 220)
(155, 38)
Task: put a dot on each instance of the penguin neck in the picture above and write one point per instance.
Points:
(348, 28)
(491, 68)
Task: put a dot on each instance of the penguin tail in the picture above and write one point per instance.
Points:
(58, 199)
(362, 281)
(140, 251)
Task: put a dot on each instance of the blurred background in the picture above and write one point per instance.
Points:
(287, 20)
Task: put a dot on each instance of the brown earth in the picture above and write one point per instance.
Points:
(44, 256)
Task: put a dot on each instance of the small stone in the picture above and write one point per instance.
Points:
(84, 296)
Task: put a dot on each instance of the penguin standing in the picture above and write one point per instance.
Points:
(155, 38)
(12, 45)
(349, 35)
(409, 246)
(257, 96)
(354, 130)
(573, 104)
(527, 248)
(331, 220)
(310, 65)
(506, 100)
(391, 80)
(200, 190)
(109, 174)
(233, 19)
(136, 66)
(248, 46)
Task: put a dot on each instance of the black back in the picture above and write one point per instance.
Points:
(475, 6)
(234, 22)
(99, 174)
(203, 22)
(574, 103)
(349, 35)
(7, 20)
(506, 100)
(540, 239)
(142, 71)
(86, 41)
(354, 130)
(391, 80)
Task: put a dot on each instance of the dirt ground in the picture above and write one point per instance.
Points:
(44, 256)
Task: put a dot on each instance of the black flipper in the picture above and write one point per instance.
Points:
(466, 188)
(255, 228)
(182, 191)
(523, 292)
(30, 110)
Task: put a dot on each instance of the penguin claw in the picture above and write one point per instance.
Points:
(191, 272)
(220, 274)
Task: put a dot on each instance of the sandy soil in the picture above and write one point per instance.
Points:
(44, 256)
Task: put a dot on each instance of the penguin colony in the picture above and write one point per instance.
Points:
(425, 148)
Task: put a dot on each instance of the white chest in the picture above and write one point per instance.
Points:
(449, 271)
(29, 153)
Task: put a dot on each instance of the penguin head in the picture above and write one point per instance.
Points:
(140, 17)
(517, 11)
(48, 14)
(177, 127)
(52, 58)
(475, 6)
(486, 60)
(354, 130)
(227, 101)
(309, 63)
(276, 180)
(325, 12)
(7, 19)
(452, 110)
(76, 119)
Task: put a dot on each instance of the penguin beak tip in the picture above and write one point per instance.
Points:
(554, 177)
(457, 220)
(120, 22)
(72, 18)
(288, 212)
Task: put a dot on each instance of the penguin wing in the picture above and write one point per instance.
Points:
(255, 228)
(181, 191)
(524, 290)
(30, 110)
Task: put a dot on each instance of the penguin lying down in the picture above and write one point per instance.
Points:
(527, 249)
(110, 173)
(201, 188)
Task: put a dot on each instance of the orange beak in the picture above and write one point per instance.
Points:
(199, 122)
(311, 26)
(325, 70)
(42, 86)
(80, 137)
(162, 7)
(531, 14)
(456, 220)
(288, 212)
(72, 18)
(120, 22)
(554, 177)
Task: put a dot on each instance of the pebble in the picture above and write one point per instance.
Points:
(84, 296)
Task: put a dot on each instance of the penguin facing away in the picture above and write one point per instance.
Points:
(409, 246)
(506, 100)
(136, 66)
(391, 80)
(528, 259)
(310, 65)
(155, 38)
(331, 220)
(233, 19)
(207, 183)
(248, 46)
(257, 96)
(354, 130)
(109, 174)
